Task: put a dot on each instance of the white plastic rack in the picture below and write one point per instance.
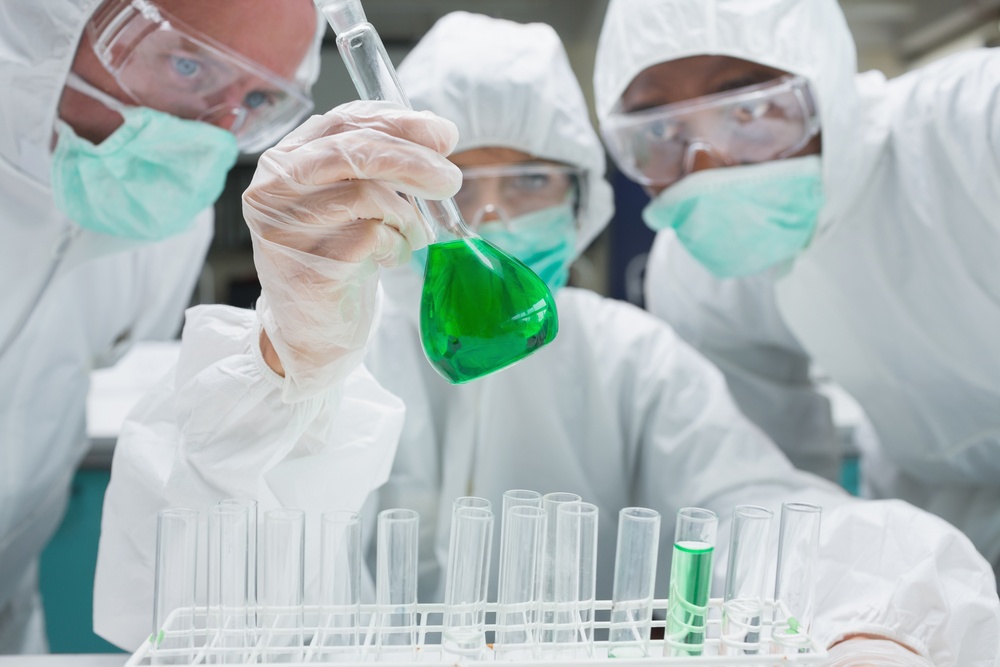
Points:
(272, 646)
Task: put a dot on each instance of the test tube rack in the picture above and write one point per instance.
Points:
(267, 646)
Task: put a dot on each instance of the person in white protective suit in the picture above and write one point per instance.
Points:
(106, 184)
(617, 408)
(856, 229)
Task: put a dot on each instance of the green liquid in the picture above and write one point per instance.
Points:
(690, 586)
(481, 310)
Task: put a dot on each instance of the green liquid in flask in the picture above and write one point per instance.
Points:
(481, 310)
(690, 585)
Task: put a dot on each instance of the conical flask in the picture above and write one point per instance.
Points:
(481, 309)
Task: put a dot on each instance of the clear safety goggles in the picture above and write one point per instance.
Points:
(754, 124)
(168, 66)
(503, 192)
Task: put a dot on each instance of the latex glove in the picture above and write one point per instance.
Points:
(870, 652)
(324, 213)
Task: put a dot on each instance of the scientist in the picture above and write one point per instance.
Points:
(106, 185)
(809, 215)
(616, 409)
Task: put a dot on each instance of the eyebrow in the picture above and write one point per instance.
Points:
(721, 83)
(742, 80)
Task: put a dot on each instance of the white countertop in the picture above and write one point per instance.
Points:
(115, 391)
(65, 660)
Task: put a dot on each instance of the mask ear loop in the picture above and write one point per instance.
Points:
(698, 146)
(489, 210)
(75, 82)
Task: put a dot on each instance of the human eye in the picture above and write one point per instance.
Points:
(661, 130)
(258, 98)
(185, 67)
(748, 112)
(530, 182)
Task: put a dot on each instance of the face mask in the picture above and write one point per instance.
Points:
(738, 221)
(148, 180)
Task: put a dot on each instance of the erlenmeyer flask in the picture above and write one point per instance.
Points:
(481, 309)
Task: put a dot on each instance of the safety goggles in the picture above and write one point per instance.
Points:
(168, 66)
(509, 191)
(754, 124)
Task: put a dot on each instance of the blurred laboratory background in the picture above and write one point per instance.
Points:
(892, 35)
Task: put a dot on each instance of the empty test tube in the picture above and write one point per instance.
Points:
(635, 578)
(174, 587)
(551, 503)
(517, 497)
(795, 584)
(467, 580)
(575, 579)
(340, 585)
(519, 591)
(283, 584)
(471, 501)
(743, 602)
(228, 530)
(690, 581)
(396, 584)
(252, 573)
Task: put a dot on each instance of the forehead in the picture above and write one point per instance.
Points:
(274, 33)
(688, 78)
(491, 156)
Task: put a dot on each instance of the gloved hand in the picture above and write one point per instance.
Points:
(871, 652)
(324, 214)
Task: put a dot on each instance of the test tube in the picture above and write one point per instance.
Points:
(518, 497)
(174, 587)
(283, 586)
(795, 584)
(690, 581)
(396, 584)
(551, 503)
(635, 579)
(340, 585)
(519, 590)
(575, 579)
(252, 573)
(227, 583)
(471, 501)
(467, 580)
(743, 602)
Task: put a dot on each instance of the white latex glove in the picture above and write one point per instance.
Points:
(324, 213)
(870, 652)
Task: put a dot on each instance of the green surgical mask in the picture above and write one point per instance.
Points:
(544, 240)
(145, 182)
(738, 221)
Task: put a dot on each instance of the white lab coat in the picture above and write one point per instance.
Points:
(73, 301)
(898, 296)
(216, 428)
(621, 411)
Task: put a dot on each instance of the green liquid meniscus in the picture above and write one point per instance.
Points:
(690, 586)
(481, 310)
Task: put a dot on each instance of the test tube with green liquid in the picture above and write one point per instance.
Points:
(481, 309)
(690, 581)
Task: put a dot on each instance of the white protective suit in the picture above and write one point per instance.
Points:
(898, 295)
(617, 408)
(75, 301)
